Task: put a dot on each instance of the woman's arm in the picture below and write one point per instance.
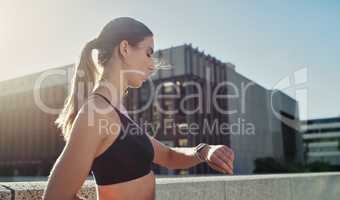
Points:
(74, 164)
(183, 158)
(219, 157)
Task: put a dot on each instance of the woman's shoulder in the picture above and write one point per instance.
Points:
(97, 116)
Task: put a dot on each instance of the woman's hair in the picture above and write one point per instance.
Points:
(86, 73)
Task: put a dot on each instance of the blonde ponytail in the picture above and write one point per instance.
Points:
(85, 76)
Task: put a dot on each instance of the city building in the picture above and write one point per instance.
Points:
(29, 140)
(322, 140)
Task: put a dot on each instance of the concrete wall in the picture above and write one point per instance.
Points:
(313, 186)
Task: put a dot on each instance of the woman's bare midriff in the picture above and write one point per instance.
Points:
(142, 188)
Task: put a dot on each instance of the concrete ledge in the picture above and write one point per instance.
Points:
(5, 194)
(311, 186)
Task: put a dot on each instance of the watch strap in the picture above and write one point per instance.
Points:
(198, 149)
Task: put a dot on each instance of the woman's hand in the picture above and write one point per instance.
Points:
(219, 157)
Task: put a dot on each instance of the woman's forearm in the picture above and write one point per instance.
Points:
(182, 158)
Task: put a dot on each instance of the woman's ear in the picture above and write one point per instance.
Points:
(124, 48)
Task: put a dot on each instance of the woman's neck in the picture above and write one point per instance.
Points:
(112, 85)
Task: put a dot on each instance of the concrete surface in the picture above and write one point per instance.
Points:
(309, 186)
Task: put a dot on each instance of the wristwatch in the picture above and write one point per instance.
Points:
(198, 150)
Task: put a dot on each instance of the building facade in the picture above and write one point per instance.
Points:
(322, 140)
(29, 140)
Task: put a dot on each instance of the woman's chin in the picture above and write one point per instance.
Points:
(137, 84)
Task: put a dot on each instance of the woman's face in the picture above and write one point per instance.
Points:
(139, 62)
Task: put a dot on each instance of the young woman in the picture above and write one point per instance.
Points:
(119, 160)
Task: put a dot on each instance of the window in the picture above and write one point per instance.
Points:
(183, 142)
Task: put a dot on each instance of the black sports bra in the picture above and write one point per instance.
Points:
(130, 156)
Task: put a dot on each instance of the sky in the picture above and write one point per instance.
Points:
(267, 40)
